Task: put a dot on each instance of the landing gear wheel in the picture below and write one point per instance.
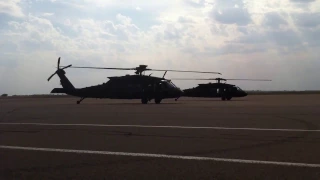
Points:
(229, 98)
(78, 102)
(144, 100)
(157, 100)
(223, 98)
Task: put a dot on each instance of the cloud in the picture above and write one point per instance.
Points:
(48, 14)
(231, 12)
(281, 31)
(195, 3)
(37, 37)
(302, 1)
(274, 39)
(274, 20)
(185, 20)
(307, 19)
(306, 5)
(11, 7)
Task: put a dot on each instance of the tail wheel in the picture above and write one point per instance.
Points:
(144, 100)
(157, 100)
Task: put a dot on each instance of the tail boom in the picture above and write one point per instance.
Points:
(59, 90)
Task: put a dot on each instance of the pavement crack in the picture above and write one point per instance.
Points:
(308, 125)
(19, 132)
(7, 114)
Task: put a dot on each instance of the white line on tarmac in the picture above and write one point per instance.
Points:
(162, 156)
(173, 127)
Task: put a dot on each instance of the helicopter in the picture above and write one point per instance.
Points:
(217, 90)
(138, 86)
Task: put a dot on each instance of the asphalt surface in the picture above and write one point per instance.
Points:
(257, 137)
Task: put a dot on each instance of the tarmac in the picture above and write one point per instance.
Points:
(256, 137)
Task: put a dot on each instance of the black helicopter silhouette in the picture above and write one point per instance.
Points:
(217, 90)
(136, 86)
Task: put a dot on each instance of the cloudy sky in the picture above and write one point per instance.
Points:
(274, 39)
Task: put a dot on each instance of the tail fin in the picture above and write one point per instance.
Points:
(66, 84)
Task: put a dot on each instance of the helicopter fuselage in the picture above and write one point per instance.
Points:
(124, 87)
(215, 90)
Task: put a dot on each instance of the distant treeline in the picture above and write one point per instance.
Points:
(281, 92)
(41, 96)
(250, 92)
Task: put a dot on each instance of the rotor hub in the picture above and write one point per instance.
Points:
(141, 69)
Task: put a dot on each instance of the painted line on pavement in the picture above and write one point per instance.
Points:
(243, 161)
(173, 127)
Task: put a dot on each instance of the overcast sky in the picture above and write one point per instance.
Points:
(274, 39)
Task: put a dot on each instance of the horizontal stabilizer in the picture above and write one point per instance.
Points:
(58, 90)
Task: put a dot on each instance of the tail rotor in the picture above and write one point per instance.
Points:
(58, 69)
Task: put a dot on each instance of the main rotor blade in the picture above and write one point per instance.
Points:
(221, 79)
(52, 76)
(101, 68)
(249, 79)
(142, 69)
(183, 71)
(187, 79)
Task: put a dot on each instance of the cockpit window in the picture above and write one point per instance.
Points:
(168, 84)
(172, 84)
(236, 88)
(239, 89)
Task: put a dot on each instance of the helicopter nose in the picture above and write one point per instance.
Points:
(244, 93)
(178, 92)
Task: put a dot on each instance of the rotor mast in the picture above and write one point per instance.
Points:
(220, 79)
(141, 69)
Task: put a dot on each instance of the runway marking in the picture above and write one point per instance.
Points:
(162, 156)
(173, 127)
